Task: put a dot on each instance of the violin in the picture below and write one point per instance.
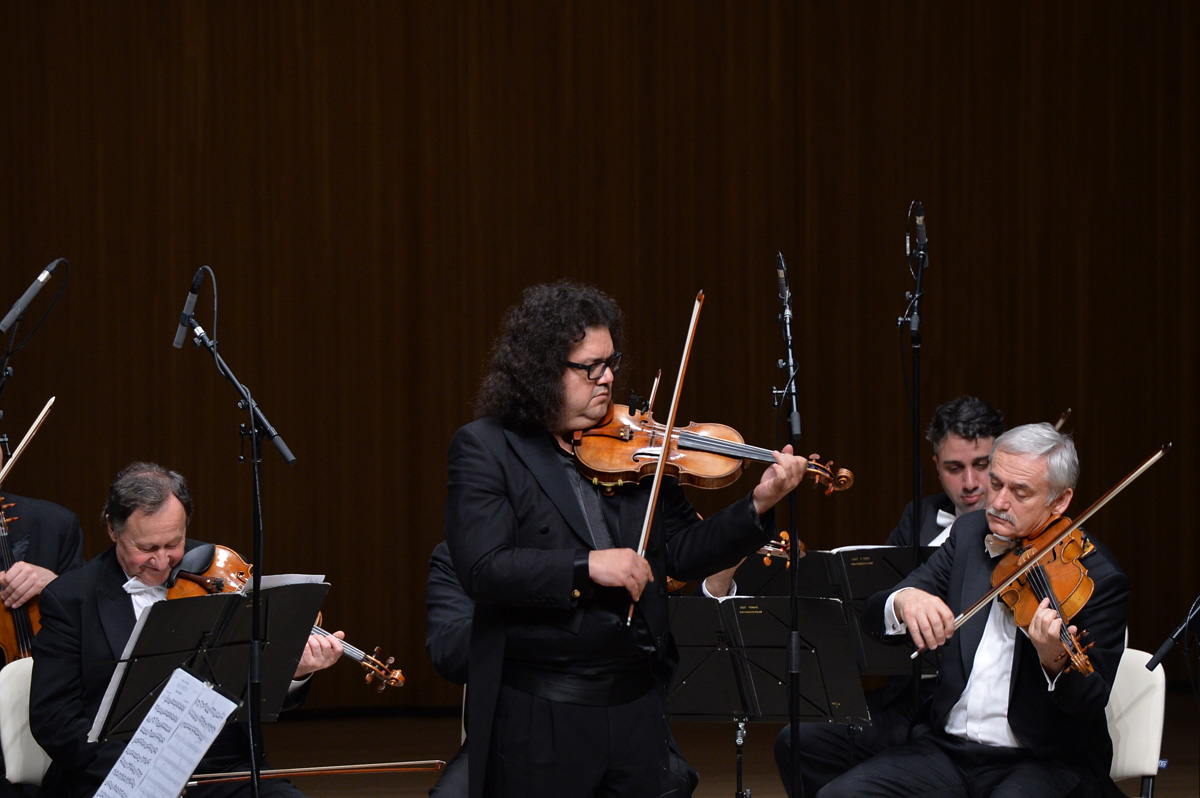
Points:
(18, 625)
(625, 447)
(210, 569)
(1032, 557)
(1058, 575)
(776, 549)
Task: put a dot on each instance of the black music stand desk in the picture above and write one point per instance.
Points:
(209, 637)
(733, 661)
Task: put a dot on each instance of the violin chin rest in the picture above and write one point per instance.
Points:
(196, 561)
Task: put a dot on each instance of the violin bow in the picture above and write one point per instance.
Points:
(37, 422)
(418, 766)
(966, 615)
(666, 444)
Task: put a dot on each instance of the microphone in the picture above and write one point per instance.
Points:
(185, 318)
(781, 271)
(27, 297)
(1170, 642)
(919, 212)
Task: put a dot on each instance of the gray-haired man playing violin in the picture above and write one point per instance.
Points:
(567, 698)
(1007, 718)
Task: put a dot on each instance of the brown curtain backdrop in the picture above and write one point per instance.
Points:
(375, 182)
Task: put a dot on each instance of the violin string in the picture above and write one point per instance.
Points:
(22, 624)
(354, 653)
(720, 446)
(1039, 581)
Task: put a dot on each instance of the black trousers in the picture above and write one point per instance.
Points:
(543, 747)
(936, 764)
(827, 750)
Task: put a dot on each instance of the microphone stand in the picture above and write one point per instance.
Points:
(1170, 642)
(918, 260)
(794, 641)
(258, 429)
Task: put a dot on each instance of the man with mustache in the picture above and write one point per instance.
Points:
(961, 431)
(1006, 717)
(567, 697)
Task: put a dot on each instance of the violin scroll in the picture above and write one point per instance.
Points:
(823, 475)
(382, 672)
(780, 549)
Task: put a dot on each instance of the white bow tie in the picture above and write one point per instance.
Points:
(945, 519)
(997, 544)
(135, 586)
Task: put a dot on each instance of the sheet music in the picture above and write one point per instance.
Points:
(170, 742)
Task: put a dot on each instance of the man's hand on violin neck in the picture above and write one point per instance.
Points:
(1044, 631)
(620, 568)
(930, 622)
(780, 479)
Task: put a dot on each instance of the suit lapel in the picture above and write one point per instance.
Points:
(114, 607)
(977, 581)
(536, 451)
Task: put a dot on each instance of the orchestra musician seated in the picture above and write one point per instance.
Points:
(43, 540)
(1007, 718)
(961, 432)
(87, 618)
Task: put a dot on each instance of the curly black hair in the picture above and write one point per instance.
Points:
(967, 417)
(523, 388)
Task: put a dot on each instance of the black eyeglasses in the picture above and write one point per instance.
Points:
(596, 370)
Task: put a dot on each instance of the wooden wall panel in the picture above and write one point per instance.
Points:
(373, 184)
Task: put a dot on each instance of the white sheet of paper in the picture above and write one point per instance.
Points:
(171, 740)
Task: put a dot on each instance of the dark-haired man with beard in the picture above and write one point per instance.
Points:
(566, 697)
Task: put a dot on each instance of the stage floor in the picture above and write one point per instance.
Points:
(708, 746)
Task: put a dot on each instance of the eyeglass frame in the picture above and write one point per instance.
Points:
(612, 364)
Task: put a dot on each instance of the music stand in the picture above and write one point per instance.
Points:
(851, 574)
(210, 636)
(733, 661)
(860, 572)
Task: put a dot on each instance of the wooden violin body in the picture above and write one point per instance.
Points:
(1059, 575)
(625, 448)
(223, 570)
(18, 625)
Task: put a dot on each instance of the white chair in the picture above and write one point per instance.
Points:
(24, 760)
(1135, 719)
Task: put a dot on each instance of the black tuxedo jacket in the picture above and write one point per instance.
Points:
(519, 541)
(902, 534)
(87, 618)
(1067, 723)
(43, 533)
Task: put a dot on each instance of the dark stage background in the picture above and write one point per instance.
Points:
(375, 182)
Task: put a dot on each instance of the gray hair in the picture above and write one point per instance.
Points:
(145, 487)
(1043, 441)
